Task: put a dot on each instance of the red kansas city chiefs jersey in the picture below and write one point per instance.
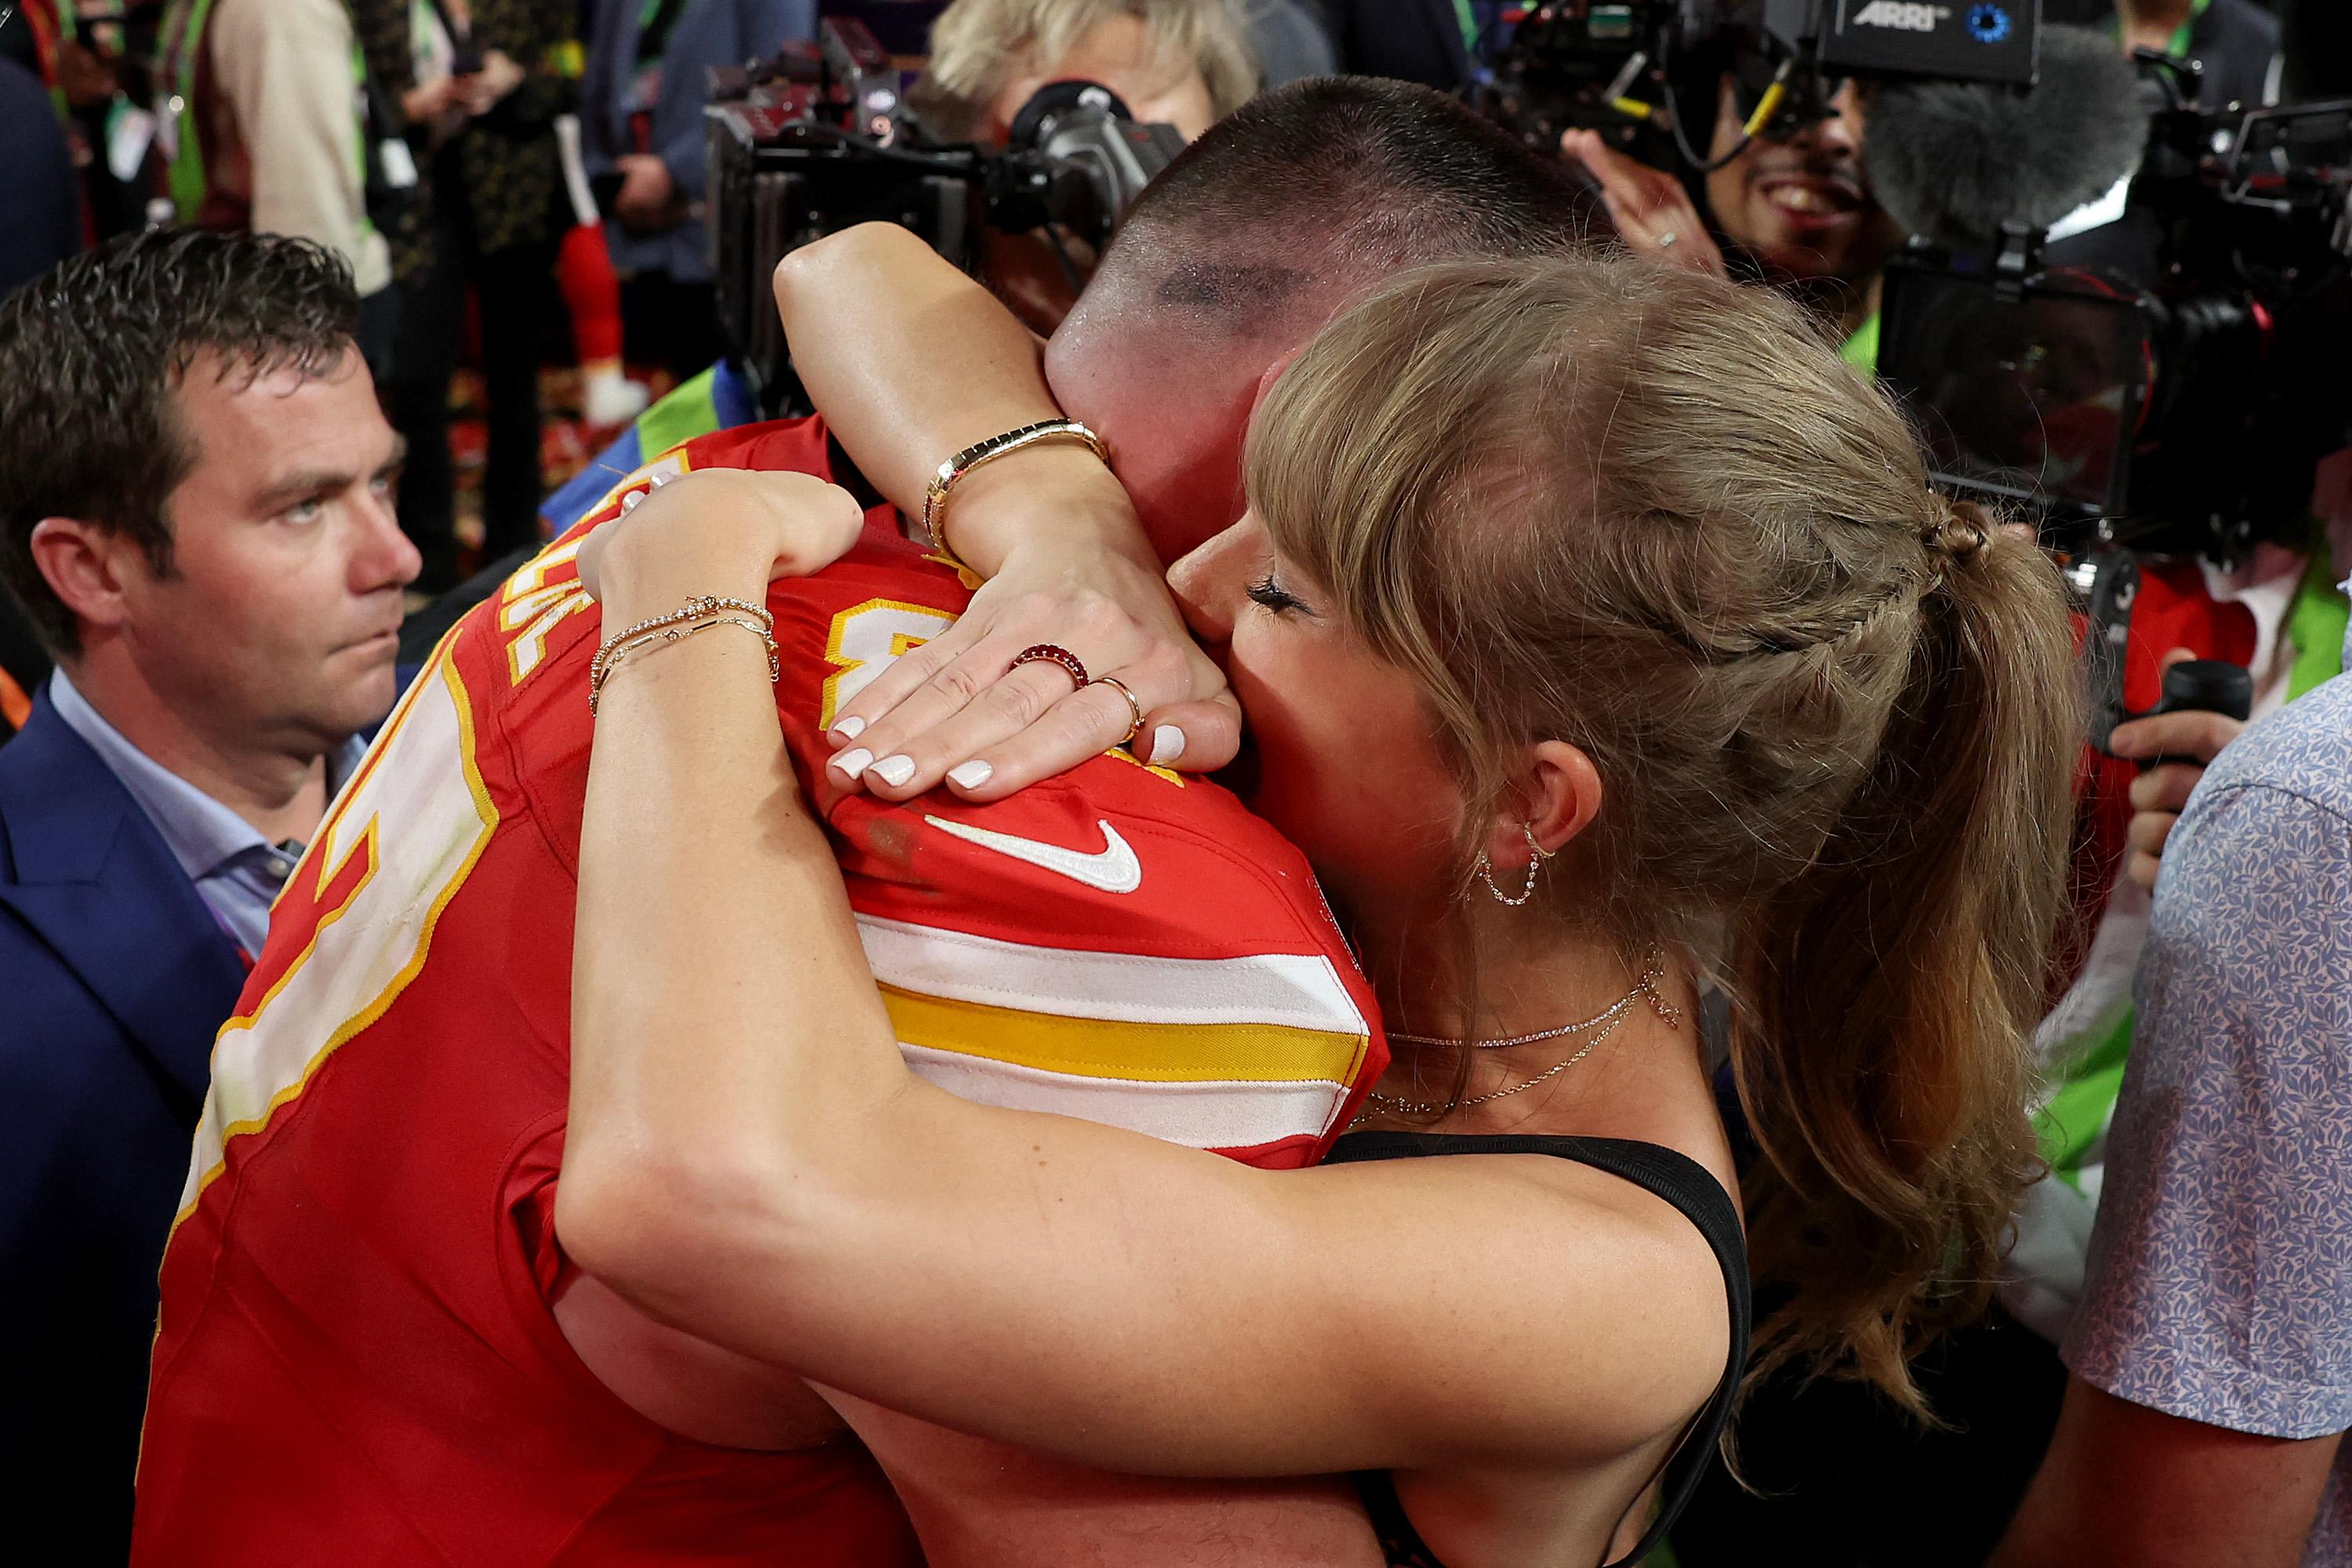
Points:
(357, 1362)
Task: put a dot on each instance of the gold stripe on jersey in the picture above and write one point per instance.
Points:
(1141, 1053)
(1231, 1116)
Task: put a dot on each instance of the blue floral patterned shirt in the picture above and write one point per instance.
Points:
(2220, 1286)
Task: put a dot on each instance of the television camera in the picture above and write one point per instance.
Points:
(2172, 403)
(1623, 68)
(820, 138)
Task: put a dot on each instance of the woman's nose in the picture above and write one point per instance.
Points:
(1211, 581)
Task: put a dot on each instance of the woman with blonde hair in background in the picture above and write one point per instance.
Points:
(1599, 636)
(1185, 63)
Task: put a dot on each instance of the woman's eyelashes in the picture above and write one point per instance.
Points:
(1270, 594)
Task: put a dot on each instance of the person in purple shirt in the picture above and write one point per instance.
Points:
(2212, 1356)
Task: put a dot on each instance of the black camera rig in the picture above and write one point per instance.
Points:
(1625, 68)
(2173, 403)
(820, 138)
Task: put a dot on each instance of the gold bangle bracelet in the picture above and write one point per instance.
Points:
(935, 497)
(668, 629)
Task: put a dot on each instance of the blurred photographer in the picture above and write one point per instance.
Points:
(1180, 62)
(1185, 63)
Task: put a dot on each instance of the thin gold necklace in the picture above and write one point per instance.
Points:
(1604, 1022)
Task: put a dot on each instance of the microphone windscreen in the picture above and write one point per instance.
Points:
(1953, 161)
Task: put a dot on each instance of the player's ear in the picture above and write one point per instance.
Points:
(1273, 373)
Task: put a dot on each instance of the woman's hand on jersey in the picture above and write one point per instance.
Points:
(958, 710)
(1653, 212)
(724, 531)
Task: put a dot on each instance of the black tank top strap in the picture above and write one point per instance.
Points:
(1673, 1176)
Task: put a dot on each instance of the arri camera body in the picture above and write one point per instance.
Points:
(1625, 67)
(820, 138)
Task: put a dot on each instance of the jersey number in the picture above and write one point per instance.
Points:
(868, 640)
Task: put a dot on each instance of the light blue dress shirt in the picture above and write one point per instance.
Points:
(237, 872)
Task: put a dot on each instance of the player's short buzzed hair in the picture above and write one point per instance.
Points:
(1330, 185)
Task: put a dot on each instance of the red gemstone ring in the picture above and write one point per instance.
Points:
(1054, 652)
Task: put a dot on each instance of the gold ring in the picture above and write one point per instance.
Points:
(1133, 707)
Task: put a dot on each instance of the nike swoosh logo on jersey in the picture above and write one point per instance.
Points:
(1113, 868)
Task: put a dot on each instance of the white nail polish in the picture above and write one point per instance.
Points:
(894, 771)
(849, 728)
(851, 762)
(633, 501)
(1167, 744)
(971, 775)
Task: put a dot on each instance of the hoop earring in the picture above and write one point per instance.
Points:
(1537, 856)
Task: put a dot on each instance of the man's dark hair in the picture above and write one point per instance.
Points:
(1341, 179)
(90, 356)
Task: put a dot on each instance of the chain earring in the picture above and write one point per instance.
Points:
(1537, 856)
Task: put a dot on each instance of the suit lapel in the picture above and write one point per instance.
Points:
(91, 877)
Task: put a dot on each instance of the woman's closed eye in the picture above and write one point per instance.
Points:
(1272, 595)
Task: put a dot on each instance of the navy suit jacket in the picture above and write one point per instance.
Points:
(114, 976)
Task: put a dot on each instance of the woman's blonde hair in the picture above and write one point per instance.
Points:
(1651, 514)
(978, 46)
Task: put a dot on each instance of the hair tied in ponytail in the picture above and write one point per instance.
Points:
(1960, 533)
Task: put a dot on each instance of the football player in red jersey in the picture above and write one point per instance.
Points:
(1570, 558)
(370, 1334)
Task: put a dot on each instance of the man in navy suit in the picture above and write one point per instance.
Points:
(196, 518)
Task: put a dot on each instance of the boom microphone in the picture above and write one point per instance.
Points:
(1953, 161)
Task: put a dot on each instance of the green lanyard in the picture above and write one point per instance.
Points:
(187, 171)
(2315, 624)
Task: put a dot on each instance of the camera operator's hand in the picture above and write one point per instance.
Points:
(1653, 212)
(956, 709)
(2158, 794)
(643, 203)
